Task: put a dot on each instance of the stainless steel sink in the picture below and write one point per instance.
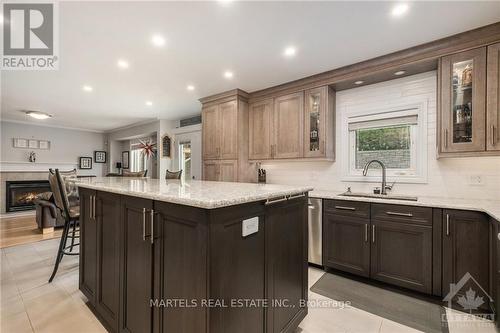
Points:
(378, 196)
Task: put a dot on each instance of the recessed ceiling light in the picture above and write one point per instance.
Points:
(158, 40)
(228, 74)
(399, 73)
(122, 63)
(359, 82)
(87, 88)
(400, 9)
(190, 87)
(290, 51)
(149, 103)
(38, 114)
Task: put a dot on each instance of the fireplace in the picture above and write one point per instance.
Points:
(20, 194)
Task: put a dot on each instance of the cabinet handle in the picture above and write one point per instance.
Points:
(493, 141)
(446, 138)
(93, 207)
(273, 201)
(90, 207)
(373, 234)
(447, 224)
(152, 225)
(400, 214)
(296, 196)
(366, 233)
(144, 224)
(345, 208)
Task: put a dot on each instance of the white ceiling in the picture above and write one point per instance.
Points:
(203, 39)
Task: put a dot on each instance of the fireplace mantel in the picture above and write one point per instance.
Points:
(11, 166)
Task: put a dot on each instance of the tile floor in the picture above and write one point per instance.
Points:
(30, 304)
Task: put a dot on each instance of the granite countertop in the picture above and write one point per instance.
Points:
(490, 207)
(195, 193)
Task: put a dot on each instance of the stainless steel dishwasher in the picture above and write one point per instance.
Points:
(315, 231)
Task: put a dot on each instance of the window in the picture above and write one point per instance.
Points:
(396, 137)
(138, 160)
(185, 159)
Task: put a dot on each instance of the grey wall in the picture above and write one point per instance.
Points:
(66, 145)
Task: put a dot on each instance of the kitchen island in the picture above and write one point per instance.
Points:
(166, 256)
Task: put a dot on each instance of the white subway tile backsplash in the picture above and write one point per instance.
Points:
(446, 177)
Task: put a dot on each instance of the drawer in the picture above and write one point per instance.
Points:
(401, 213)
(347, 208)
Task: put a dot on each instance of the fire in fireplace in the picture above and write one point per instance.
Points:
(21, 194)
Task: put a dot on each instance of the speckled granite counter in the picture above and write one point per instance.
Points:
(490, 207)
(202, 194)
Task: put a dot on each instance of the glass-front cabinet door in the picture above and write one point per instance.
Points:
(316, 115)
(463, 101)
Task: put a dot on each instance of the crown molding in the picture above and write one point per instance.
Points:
(50, 125)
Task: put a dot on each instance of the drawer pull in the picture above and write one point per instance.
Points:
(400, 214)
(152, 226)
(144, 224)
(273, 201)
(366, 233)
(447, 224)
(345, 208)
(373, 234)
(296, 196)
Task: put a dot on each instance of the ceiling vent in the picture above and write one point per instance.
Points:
(190, 121)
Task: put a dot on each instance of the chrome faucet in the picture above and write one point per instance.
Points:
(384, 182)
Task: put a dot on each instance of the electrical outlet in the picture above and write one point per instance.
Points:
(476, 180)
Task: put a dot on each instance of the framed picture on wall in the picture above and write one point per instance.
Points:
(44, 144)
(166, 144)
(125, 159)
(85, 162)
(33, 144)
(20, 143)
(100, 156)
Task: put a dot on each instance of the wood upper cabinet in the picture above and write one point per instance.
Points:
(228, 119)
(220, 131)
(211, 133)
(259, 129)
(465, 248)
(319, 122)
(298, 125)
(288, 131)
(493, 98)
(220, 170)
(463, 101)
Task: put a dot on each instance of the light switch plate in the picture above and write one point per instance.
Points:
(250, 226)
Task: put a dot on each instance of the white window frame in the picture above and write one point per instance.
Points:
(360, 113)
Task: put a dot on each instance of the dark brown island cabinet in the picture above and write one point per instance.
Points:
(424, 249)
(153, 266)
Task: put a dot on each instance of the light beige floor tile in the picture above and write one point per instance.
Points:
(314, 274)
(8, 289)
(17, 322)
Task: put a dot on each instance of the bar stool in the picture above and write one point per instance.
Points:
(70, 212)
(173, 174)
